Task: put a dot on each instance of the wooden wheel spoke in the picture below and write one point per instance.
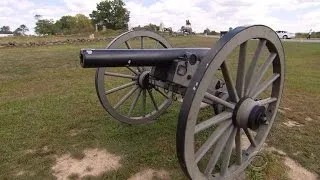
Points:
(212, 140)
(267, 101)
(153, 100)
(240, 81)
(227, 153)
(212, 121)
(142, 42)
(126, 97)
(156, 45)
(229, 82)
(262, 87)
(217, 151)
(128, 44)
(144, 102)
(162, 93)
(253, 65)
(219, 100)
(258, 76)
(132, 70)
(238, 147)
(250, 137)
(120, 75)
(120, 87)
(134, 102)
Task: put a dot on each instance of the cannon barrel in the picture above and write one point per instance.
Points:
(93, 58)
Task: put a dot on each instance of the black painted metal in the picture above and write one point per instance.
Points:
(256, 117)
(92, 58)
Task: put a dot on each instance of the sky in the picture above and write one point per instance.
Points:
(290, 15)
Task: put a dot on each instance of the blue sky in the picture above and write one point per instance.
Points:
(291, 15)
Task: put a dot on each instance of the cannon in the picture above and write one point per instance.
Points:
(231, 92)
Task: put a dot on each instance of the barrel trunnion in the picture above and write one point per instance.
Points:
(240, 80)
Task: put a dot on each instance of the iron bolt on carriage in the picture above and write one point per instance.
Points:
(231, 92)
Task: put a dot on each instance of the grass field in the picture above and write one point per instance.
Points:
(45, 96)
(53, 38)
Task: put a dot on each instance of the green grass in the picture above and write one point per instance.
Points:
(45, 95)
(52, 38)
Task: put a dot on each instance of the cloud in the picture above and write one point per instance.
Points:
(77, 6)
(291, 15)
(220, 15)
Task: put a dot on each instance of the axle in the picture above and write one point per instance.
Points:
(93, 58)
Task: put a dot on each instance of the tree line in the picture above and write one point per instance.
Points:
(65, 25)
(109, 14)
(21, 30)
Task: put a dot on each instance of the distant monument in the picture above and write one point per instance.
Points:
(186, 29)
(161, 28)
(188, 24)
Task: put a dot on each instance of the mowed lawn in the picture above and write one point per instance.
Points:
(45, 96)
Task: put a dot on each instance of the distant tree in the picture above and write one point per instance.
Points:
(152, 27)
(66, 25)
(206, 31)
(186, 30)
(23, 29)
(37, 17)
(230, 28)
(111, 14)
(5, 29)
(169, 29)
(182, 28)
(213, 33)
(45, 27)
(18, 32)
(83, 23)
(74, 24)
(137, 28)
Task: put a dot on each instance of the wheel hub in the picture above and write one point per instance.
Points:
(143, 79)
(248, 113)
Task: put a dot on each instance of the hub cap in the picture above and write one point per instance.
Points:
(248, 113)
(144, 80)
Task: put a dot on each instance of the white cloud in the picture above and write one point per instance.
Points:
(77, 6)
(220, 15)
(291, 15)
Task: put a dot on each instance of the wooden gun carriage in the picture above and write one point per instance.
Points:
(231, 93)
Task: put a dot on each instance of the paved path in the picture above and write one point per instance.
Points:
(285, 40)
(302, 40)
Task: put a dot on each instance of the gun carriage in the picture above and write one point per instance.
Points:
(231, 92)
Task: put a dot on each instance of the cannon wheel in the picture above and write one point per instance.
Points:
(139, 89)
(250, 110)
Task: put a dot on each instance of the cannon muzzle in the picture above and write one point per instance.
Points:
(93, 58)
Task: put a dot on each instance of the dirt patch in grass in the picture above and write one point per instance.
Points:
(94, 163)
(29, 151)
(296, 171)
(21, 173)
(76, 132)
(278, 151)
(308, 119)
(292, 124)
(150, 174)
